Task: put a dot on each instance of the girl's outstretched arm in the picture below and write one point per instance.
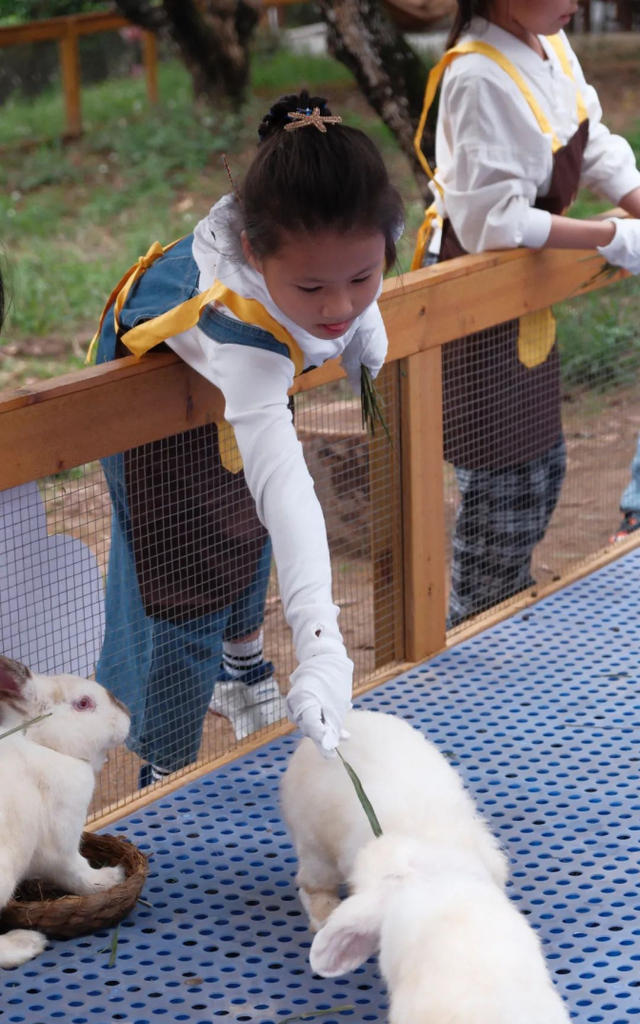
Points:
(255, 383)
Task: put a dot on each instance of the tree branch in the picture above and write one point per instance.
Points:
(389, 72)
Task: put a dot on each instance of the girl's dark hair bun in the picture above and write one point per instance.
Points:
(278, 115)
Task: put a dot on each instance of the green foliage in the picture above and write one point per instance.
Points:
(13, 12)
(287, 72)
(75, 217)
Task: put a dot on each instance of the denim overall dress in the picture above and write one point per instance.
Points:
(189, 561)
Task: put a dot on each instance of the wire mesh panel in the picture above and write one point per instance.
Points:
(536, 463)
(539, 714)
(137, 569)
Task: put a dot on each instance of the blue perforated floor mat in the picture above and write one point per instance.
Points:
(542, 716)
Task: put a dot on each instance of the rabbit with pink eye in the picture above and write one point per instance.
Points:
(52, 767)
(427, 895)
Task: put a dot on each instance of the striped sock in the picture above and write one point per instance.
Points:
(240, 656)
(158, 774)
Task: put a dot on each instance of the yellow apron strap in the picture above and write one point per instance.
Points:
(555, 42)
(424, 234)
(181, 318)
(435, 76)
(186, 315)
(250, 311)
(124, 286)
(536, 337)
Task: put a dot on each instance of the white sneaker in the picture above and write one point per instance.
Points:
(265, 698)
(248, 708)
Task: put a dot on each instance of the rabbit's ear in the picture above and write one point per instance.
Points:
(350, 936)
(13, 678)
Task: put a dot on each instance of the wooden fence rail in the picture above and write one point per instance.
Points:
(77, 418)
(68, 31)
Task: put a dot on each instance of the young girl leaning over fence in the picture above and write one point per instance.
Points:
(519, 130)
(277, 279)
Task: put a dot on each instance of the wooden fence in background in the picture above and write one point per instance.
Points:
(68, 31)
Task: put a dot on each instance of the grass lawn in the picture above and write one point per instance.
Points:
(75, 216)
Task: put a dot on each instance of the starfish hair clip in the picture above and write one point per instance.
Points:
(302, 117)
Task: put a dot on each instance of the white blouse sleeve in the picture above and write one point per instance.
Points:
(609, 164)
(255, 384)
(499, 161)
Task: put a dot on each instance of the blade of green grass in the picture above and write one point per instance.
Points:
(24, 726)
(372, 405)
(114, 947)
(316, 1013)
(362, 797)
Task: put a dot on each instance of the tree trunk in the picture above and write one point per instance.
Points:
(211, 37)
(389, 72)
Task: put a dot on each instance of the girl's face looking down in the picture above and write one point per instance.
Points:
(532, 17)
(322, 281)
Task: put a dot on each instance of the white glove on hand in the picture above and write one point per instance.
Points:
(319, 699)
(368, 347)
(624, 249)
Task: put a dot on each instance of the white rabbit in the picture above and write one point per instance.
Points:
(428, 894)
(48, 775)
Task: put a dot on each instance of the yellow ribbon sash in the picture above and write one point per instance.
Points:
(145, 336)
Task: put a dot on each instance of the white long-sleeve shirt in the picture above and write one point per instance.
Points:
(255, 383)
(494, 161)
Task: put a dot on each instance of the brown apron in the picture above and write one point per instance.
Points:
(195, 534)
(497, 411)
(189, 523)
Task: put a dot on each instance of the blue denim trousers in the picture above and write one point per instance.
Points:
(164, 671)
(164, 667)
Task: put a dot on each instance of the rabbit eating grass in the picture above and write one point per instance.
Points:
(48, 773)
(428, 895)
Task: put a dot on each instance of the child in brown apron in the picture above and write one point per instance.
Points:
(519, 131)
(279, 277)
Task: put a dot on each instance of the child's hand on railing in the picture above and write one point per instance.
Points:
(624, 249)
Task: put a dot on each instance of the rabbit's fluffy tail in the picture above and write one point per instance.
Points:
(20, 945)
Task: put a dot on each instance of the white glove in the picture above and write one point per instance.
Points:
(624, 249)
(368, 347)
(319, 699)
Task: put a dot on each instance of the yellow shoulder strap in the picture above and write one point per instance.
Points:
(560, 51)
(186, 315)
(124, 286)
(435, 76)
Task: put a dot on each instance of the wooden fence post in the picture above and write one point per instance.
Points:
(150, 49)
(624, 15)
(385, 483)
(423, 498)
(70, 65)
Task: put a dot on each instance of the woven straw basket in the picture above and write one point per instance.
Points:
(64, 917)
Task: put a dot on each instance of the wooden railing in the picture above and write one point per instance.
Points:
(68, 31)
(79, 417)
